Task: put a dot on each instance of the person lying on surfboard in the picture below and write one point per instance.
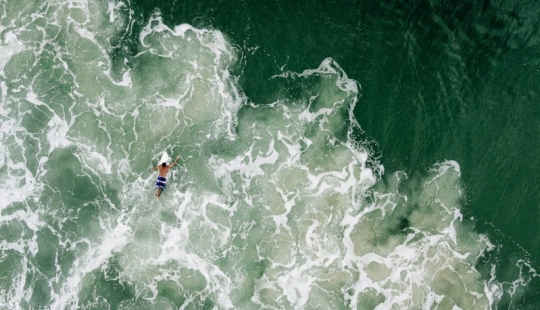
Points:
(163, 169)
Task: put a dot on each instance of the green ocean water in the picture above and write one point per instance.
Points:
(440, 81)
(335, 155)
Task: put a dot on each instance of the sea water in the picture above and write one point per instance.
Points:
(283, 204)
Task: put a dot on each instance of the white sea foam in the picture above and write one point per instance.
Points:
(9, 47)
(273, 206)
(113, 240)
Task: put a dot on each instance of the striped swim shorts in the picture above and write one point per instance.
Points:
(161, 182)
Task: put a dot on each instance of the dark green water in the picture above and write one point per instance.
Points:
(440, 81)
(281, 200)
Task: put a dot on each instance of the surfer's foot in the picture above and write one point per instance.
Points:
(157, 198)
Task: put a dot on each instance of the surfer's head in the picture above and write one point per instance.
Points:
(164, 164)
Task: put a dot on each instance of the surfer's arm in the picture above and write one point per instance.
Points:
(174, 163)
(154, 168)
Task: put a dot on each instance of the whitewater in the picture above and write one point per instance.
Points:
(283, 205)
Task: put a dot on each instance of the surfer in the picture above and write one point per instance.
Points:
(163, 169)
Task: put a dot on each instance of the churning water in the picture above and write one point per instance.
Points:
(283, 204)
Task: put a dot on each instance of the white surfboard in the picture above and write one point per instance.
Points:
(165, 158)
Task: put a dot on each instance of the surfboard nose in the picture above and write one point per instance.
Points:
(164, 158)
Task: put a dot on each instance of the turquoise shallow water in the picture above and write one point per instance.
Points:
(335, 155)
